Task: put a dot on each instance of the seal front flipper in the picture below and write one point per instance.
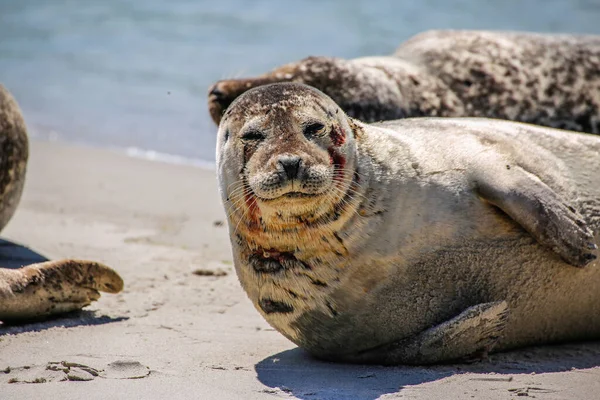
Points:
(53, 287)
(474, 331)
(540, 210)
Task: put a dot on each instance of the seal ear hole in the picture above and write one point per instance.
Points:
(253, 135)
(227, 135)
(313, 129)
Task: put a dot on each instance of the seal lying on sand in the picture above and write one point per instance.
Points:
(50, 287)
(413, 241)
(551, 80)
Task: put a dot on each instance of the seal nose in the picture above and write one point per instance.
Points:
(218, 100)
(215, 90)
(290, 165)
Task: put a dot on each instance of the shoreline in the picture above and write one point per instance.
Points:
(173, 333)
(136, 153)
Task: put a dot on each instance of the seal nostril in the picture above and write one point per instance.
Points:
(290, 165)
(215, 91)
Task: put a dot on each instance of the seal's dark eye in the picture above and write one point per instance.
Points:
(313, 129)
(253, 135)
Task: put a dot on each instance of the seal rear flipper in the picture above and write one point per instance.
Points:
(53, 287)
(540, 210)
(473, 332)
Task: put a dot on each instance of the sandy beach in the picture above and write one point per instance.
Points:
(183, 328)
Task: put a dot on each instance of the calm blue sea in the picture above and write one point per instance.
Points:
(134, 73)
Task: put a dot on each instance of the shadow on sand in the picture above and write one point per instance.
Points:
(13, 256)
(68, 320)
(296, 372)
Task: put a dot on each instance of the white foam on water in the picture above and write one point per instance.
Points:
(153, 155)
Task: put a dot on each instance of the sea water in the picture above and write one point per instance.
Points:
(133, 74)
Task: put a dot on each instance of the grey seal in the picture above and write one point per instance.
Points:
(413, 241)
(46, 288)
(544, 79)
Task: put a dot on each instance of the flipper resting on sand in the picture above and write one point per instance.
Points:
(50, 287)
(53, 287)
(474, 332)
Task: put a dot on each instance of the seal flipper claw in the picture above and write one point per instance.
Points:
(475, 331)
(54, 287)
(540, 211)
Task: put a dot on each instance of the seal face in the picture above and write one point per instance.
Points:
(549, 80)
(412, 241)
(293, 158)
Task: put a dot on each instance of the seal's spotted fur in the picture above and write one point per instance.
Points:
(551, 80)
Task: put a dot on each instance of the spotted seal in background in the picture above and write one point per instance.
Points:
(46, 288)
(550, 80)
(413, 241)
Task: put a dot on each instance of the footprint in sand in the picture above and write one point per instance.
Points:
(68, 371)
(125, 370)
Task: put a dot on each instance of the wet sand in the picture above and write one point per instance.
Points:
(183, 328)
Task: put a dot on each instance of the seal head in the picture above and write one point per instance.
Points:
(288, 149)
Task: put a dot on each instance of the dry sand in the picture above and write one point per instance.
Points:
(173, 334)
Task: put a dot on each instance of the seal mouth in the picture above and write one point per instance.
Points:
(272, 186)
(291, 196)
(298, 195)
